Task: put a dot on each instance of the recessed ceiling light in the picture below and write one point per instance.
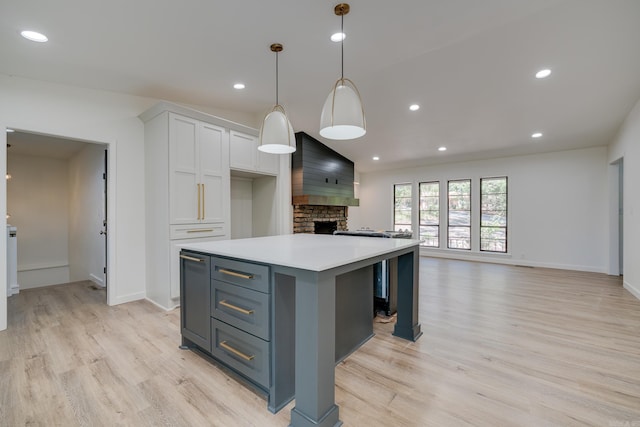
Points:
(34, 36)
(338, 37)
(414, 107)
(442, 149)
(536, 135)
(10, 130)
(376, 158)
(543, 73)
(238, 86)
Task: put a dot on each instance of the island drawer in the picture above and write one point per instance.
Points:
(246, 274)
(240, 307)
(241, 351)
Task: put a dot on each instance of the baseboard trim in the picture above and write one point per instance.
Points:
(95, 279)
(632, 290)
(128, 298)
(507, 260)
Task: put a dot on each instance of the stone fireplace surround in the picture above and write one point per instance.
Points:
(305, 216)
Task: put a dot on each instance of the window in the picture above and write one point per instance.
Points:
(430, 214)
(402, 207)
(493, 214)
(459, 214)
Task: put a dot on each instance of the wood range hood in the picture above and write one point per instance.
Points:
(320, 176)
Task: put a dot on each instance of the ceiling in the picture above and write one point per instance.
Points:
(470, 65)
(32, 144)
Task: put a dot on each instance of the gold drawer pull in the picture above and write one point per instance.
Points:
(235, 274)
(190, 258)
(238, 353)
(201, 230)
(235, 307)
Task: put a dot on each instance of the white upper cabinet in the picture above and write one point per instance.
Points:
(244, 155)
(198, 171)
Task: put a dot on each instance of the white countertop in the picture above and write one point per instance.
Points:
(315, 252)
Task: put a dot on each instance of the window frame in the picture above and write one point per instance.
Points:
(410, 198)
(506, 215)
(470, 210)
(420, 225)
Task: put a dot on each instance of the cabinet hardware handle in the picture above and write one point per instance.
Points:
(203, 197)
(200, 230)
(190, 258)
(235, 307)
(198, 202)
(227, 347)
(236, 274)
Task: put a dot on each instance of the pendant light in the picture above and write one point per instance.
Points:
(276, 133)
(343, 114)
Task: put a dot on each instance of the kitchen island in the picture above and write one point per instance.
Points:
(298, 270)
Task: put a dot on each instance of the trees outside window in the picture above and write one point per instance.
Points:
(430, 214)
(493, 214)
(459, 214)
(402, 207)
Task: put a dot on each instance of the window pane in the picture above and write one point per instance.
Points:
(430, 236)
(402, 207)
(430, 213)
(429, 218)
(460, 237)
(493, 214)
(459, 214)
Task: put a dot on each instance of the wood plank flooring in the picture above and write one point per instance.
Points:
(502, 346)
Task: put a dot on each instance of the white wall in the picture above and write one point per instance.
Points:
(38, 202)
(102, 117)
(558, 213)
(86, 213)
(626, 145)
(241, 207)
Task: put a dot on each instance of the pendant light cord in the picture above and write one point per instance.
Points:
(342, 47)
(277, 79)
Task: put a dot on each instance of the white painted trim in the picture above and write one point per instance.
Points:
(112, 267)
(162, 307)
(3, 226)
(632, 289)
(42, 266)
(128, 298)
(95, 279)
(507, 260)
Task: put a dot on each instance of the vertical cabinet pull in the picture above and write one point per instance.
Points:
(202, 201)
(198, 201)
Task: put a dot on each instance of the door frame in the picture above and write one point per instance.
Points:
(616, 182)
(111, 146)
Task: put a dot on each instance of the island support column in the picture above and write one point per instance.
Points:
(315, 351)
(407, 325)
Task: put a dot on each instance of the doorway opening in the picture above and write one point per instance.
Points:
(57, 202)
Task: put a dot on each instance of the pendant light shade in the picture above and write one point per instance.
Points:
(343, 114)
(276, 132)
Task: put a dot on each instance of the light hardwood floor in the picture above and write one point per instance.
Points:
(502, 346)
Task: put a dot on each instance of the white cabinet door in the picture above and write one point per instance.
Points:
(214, 174)
(183, 170)
(243, 151)
(269, 163)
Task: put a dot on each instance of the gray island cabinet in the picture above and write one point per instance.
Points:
(266, 308)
